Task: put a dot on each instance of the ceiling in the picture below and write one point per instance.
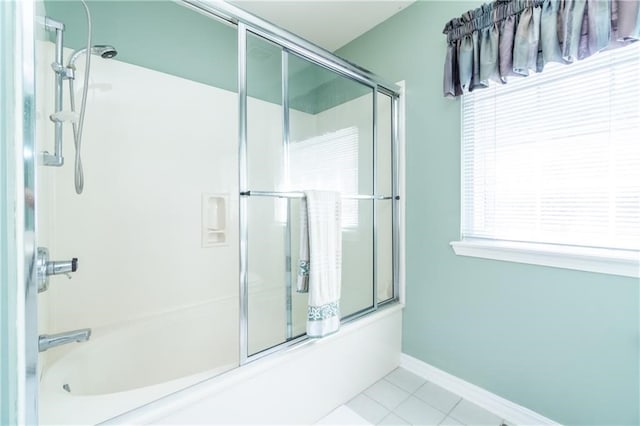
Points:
(330, 24)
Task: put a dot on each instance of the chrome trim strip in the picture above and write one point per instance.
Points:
(242, 182)
(290, 41)
(305, 338)
(375, 191)
(284, 73)
(395, 169)
(26, 190)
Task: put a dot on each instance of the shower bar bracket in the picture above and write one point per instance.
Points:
(62, 73)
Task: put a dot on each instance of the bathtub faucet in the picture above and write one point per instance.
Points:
(47, 341)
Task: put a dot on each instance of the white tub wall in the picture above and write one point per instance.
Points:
(298, 386)
(153, 143)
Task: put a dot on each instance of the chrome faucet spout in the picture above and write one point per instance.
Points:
(47, 341)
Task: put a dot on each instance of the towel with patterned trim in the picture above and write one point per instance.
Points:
(320, 265)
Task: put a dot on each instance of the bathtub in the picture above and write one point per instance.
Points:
(194, 382)
(126, 366)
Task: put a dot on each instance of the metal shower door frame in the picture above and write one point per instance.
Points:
(19, 140)
(291, 43)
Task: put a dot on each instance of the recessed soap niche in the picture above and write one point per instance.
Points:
(214, 219)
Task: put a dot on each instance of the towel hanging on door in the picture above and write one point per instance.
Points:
(320, 266)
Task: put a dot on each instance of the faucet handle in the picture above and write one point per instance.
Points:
(41, 269)
(45, 267)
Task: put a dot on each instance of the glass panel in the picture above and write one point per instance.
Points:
(267, 272)
(156, 229)
(265, 155)
(384, 249)
(267, 216)
(384, 208)
(331, 148)
(384, 146)
(299, 301)
(357, 262)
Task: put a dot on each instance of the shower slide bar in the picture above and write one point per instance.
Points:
(301, 195)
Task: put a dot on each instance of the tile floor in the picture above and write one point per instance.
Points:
(403, 398)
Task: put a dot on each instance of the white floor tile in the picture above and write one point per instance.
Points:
(368, 408)
(392, 419)
(343, 415)
(470, 414)
(449, 421)
(437, 397)
(387, 394)
(417, 412)
(405, 379)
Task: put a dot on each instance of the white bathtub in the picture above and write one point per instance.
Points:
(107, 378)
(125, 367)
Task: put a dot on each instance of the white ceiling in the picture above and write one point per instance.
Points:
(330, 24)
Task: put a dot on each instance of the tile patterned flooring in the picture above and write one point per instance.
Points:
(403, 398)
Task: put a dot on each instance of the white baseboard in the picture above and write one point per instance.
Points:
(512, 412)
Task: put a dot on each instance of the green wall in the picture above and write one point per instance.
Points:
(160, 35)
(560, 342)
(166, 37)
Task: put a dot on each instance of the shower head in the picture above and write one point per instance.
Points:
(103, 50)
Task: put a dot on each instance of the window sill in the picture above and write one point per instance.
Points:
(615, 262)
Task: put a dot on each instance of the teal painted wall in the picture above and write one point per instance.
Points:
(166, 37)
(160, 35)
(563, 343)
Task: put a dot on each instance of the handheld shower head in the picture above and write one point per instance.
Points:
(103, 50)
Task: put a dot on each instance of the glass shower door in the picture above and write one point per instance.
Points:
(331, 148)
(267, 274)
(309, 128)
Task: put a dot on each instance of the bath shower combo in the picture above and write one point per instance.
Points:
(207, 244)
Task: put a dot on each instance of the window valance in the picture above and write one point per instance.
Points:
(515, 37)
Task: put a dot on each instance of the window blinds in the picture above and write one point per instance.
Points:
(328, 162)
(555, 157)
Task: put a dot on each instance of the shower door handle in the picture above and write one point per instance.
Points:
(45, 268)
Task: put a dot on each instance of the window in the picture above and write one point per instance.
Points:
(328, 162)
(551, 163)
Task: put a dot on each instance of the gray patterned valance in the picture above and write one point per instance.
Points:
(515, 37)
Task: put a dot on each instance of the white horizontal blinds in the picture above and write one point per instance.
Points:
(555, 157)
(328, 162)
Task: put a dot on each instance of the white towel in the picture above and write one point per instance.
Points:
(320, 267)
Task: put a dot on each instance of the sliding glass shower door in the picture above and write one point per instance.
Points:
(325, 139)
